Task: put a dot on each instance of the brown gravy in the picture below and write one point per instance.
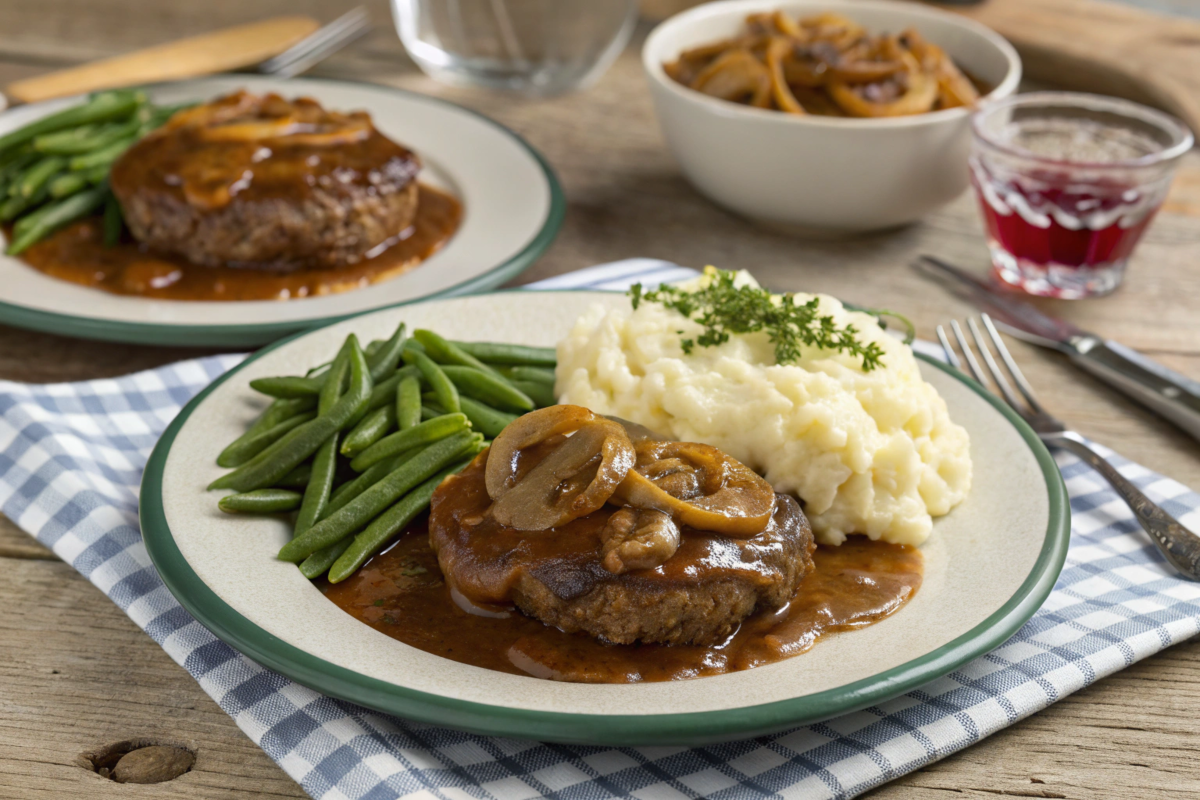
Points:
(401, 593)
(77, 254)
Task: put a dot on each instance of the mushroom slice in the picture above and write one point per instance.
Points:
(507, 457)
(638, 538)
(576, 478)
(700, 487)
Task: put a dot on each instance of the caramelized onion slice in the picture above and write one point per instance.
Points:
(780, 91)
(638, 538)
(575, 479)
(699, 486)
(737, 76)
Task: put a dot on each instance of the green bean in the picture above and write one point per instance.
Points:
(58, 214)
(352, 489)
(445, 352)
(105, 156)
(374, 426)
(429, 412)
(416, 436)
(488, 387)
(316, 493)
(446, 392)
(319, 562)
(274, 414)
(485, 419)
(70, 143)
(96, 175)
(37, 175)
(383, 362)
(312, 435)
(495, 353)
(528, 374)
(408, 403)
(251, 446)
(260, 501)
(372, 348)
(100, 108)
(113, 221)
(287, 386)
(291, 386)
(297, 478)
(385, 393)
(67, 183)
(540, 393)
(384, 527)
(373, 501)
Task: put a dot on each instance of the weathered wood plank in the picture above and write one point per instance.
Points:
(78, 675)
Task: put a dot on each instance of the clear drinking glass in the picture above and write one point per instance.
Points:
(537, 47)
(1067, 184)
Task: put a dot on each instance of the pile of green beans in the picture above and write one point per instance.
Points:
(54, 170)
(357, 446)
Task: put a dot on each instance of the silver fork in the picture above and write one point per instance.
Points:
(318, 45)
(1178, 545)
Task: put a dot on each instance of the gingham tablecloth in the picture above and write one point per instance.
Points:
(71, 458)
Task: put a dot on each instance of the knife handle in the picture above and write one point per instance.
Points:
(208, 53)
(1163, 391)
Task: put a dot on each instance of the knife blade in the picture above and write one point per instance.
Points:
(1164, 391)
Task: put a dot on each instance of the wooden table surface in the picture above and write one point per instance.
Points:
(77, 675)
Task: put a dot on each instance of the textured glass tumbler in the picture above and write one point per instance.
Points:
(536, 47)
(1067, 185)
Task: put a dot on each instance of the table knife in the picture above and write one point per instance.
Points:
(1164, 391)
(221, 51)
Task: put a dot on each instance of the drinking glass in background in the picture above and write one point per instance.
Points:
(1067, 184)
(536, 47)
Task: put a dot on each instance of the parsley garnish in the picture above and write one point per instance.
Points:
(724, 309)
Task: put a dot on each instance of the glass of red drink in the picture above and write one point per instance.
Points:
(1067, 184)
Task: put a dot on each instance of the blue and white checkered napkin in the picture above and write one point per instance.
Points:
(71, 458)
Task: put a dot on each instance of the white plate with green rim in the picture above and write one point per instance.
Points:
(512, 202)
(988, 566)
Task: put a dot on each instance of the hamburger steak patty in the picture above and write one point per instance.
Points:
(267, 183)
(699, 595)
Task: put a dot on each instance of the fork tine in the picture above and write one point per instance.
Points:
(976, 370)
(993, 367)
(951, 356)
(318, 45)
(1011, 364)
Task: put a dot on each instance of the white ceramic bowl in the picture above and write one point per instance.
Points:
(823, 173)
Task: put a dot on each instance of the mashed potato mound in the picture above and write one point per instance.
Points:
(868, 452)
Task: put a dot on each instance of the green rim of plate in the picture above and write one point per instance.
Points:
(621, 730)
(254, 334)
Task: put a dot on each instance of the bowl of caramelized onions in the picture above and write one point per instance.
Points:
(825, 115)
